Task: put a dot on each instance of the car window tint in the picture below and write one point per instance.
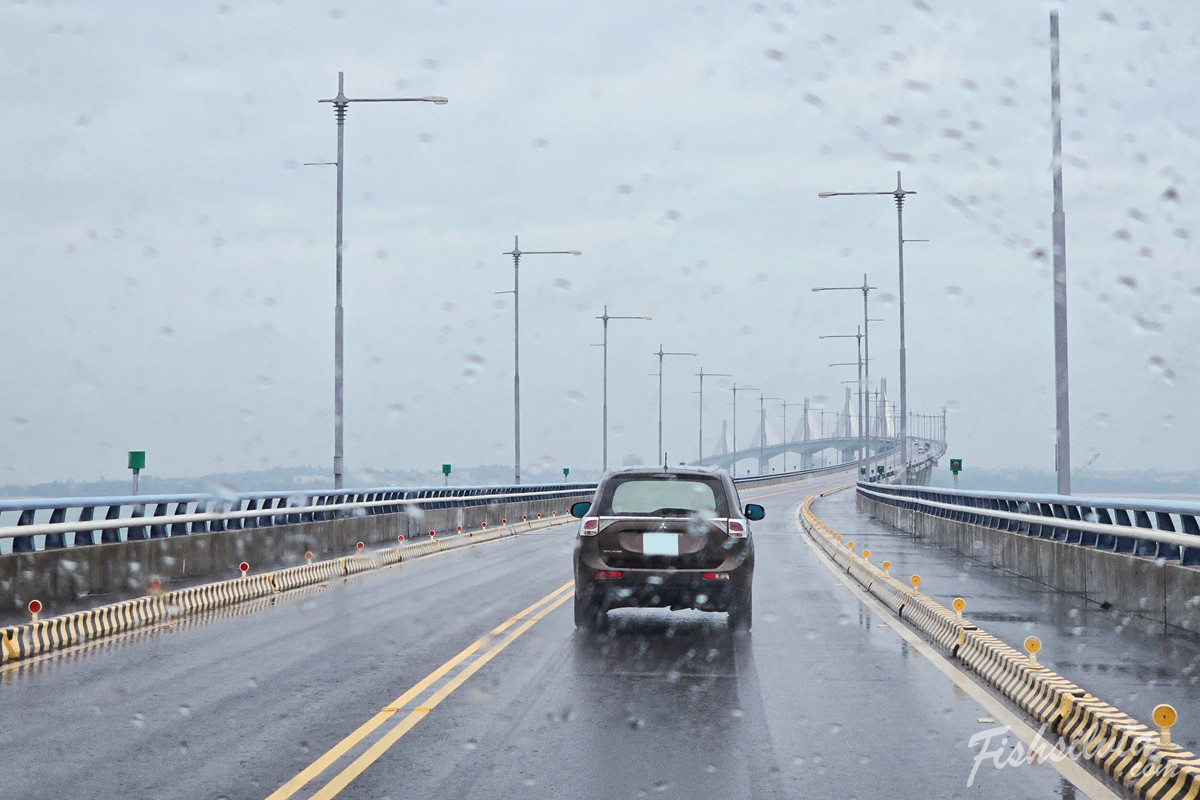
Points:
(663, 496)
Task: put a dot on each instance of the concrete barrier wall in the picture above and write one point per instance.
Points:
(1163, 591)
(81, 577)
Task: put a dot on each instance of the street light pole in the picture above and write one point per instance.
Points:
(899, 193)
(862, 448)
(866, 343)
(341, 104)
(785, 430)
(702, 375)
(737, 389)
(660, 353)
(1058, 224)
(516, 253)
(762, 429)
(605, 317)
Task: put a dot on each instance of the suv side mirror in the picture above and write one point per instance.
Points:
(754, 512)
(580, 509)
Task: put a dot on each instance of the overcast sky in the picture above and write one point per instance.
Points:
(168, 269)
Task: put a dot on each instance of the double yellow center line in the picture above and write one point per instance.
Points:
(422, 698)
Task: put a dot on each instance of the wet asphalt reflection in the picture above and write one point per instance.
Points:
(1126, 660)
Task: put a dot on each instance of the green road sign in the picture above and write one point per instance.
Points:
(137, 460)
(879, 469)
(956, 465)
(566, 471)
(445, 469)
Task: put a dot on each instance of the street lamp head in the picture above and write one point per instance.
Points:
(441, 101)
(575, 252)
(827, 194)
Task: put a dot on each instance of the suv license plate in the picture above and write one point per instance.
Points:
(660, 544)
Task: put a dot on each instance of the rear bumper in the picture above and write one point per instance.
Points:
(638, 588)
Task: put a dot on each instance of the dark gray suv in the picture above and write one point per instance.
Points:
(664, 538)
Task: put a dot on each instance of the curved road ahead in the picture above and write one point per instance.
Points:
(462, 676)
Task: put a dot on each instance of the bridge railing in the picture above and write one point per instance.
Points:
(54, 523)
(1160, 529)
(29, 525)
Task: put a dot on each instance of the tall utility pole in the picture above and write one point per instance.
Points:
(737, 389)
(516, 253)
(1058, 220)
(341, 104)
(660, 353)
(702, 375)
(605, 318)
(762, 430)
(899, 193)
(786, 436)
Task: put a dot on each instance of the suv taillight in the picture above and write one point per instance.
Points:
(737, 529)
(590, 527)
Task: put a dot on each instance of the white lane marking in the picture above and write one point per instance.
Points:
(1078, 775)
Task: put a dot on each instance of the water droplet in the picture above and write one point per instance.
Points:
(624, 188)
(562, 284)
(138, 720)
(1147, 324)
(775, 55)
(473, 366)
(424, 138)
(470, 744)
(166, 331)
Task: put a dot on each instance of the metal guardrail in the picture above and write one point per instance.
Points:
(139, 517)
(48, 523)
(1155, 528)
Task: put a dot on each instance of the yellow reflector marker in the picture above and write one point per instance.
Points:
(1164, 718)
(1032, 645)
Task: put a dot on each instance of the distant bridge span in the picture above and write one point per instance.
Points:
(846, 446)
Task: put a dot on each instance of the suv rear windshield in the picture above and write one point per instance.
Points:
(647, 496)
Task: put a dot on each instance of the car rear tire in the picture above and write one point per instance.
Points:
(589, 614)
(741, 612)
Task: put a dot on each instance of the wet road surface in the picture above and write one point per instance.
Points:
(822, 699)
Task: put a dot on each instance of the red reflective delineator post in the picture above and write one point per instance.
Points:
(154, 585)
(431, 534)
(35, 608)
(244, 567)
(308, 556)
(460, 529)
